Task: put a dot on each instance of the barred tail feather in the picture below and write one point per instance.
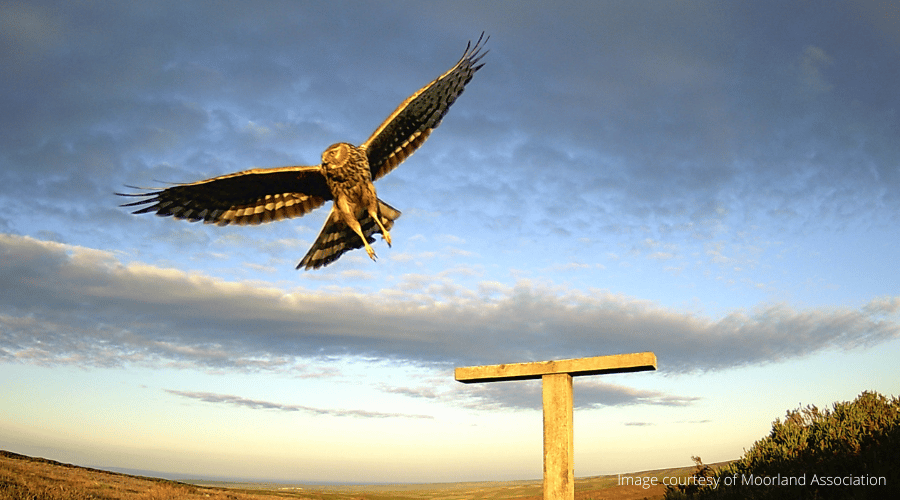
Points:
(336, 238)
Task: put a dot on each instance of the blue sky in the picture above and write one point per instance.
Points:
(716, 182)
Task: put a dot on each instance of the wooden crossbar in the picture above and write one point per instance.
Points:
(599, 365)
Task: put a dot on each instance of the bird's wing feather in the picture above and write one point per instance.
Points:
(336, 237)
(412, 122)
(248, 197)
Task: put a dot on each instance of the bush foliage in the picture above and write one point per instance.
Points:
(852, 451)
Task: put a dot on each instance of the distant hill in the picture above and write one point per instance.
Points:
(23, 477)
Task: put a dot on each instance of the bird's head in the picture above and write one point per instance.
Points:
(336, 155)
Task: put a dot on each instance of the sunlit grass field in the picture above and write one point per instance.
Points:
(23, 477)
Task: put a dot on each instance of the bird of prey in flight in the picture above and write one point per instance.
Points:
(345, 176)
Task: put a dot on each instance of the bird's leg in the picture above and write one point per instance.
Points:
(384, 232)
(354, 225)
(350, 220)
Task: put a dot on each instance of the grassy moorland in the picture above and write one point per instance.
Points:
(23, 477)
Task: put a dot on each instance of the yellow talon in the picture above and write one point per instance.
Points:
(370, 252)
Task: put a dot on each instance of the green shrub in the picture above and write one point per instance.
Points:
(852, 451)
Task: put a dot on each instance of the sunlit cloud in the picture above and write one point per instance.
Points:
(70, 304)
(255, 404)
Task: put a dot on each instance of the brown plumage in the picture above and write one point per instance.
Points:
(344, 176)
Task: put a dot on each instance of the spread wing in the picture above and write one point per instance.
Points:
(248, 197)
(336, 237)
(412, 122)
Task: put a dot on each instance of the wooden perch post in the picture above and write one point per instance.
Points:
(556, 385)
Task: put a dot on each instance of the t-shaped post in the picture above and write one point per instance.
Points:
(556, 383)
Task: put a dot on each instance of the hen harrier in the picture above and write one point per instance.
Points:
(344, 176)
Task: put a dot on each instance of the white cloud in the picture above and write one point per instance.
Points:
(256, 404)
(67, 304)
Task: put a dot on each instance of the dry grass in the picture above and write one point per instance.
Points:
(29, 478)
(23, 477)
